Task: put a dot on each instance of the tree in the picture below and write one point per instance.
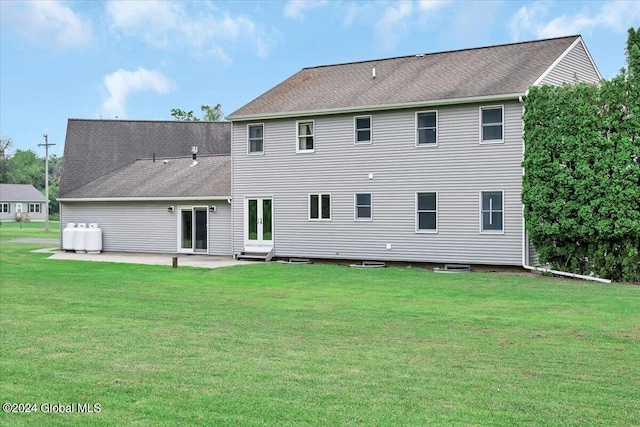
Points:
(211, 114)
(581, 187)
(183, 116)
(5, 153)
(25, 167)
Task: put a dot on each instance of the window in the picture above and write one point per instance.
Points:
(363, 206)
(427, 129)
(320, 206)
(426, 212)
(491, 211)
(491, 119)
(4, 208)
(256, 138)
(305, 136)
(363, 129)
(34, 207)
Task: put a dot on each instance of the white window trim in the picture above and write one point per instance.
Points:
(355, 130)
(425, 231)
(255, 153)
(491, 107)
(355, 207)
(32, 208)
(4, 207)
(319, 206)
(416, 129)
(480, 210)
(298, 150)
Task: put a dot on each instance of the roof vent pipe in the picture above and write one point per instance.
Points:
(194, 154)
(373, 73)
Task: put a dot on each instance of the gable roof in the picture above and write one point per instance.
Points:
(503, 70)
(162, 179)
(20, 193)
(95, 148)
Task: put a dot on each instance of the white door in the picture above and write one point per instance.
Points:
(193, 229)
(258, 221)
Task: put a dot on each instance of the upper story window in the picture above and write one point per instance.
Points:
(427, 212)
(363, 129)
(427, 129)
(4, 208)
(320, 206)
(34, 207)
(256, 138)
(304, 133)
(363, 211)
(491, 211)
(491, 124)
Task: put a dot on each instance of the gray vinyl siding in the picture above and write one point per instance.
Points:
(147, 226)
(458, 169)
(575, 64)
(33, 216)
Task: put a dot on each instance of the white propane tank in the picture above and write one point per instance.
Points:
(94, 239)
(79, 238)
(67, 236)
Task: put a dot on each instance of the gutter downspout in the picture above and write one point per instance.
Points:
(524, 238)
(564, 273)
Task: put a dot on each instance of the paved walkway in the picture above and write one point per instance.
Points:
(184, 260)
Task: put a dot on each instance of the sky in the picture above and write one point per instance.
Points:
(137, 60)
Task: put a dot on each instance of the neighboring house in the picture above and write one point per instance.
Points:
(415, 158)
(138, 181)
(21, 198)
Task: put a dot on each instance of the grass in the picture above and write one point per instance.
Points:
(10, 230)
(273, 344)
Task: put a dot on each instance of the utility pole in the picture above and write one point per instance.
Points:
(46, 146)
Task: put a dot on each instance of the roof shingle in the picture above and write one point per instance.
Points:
(95, 148)
(20, 193)
(494, 70)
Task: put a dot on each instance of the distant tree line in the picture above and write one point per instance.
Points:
(25, 167)
(581, 187)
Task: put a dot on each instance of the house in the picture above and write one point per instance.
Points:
(16, 199)
(414, 158)
(144, 186)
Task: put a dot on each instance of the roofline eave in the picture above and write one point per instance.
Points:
(142, 199)
(384, 107)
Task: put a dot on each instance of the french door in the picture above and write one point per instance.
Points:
(193, 229)
(259, 221)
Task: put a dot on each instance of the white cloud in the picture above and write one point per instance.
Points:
(121, 83)
(295, 9)
(173, 25)
(48, 23)
(431, 5)
(533, 20)
(392, 22)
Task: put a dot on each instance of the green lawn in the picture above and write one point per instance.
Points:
(273, 344)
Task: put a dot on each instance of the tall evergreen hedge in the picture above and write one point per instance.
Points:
(581, 187)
